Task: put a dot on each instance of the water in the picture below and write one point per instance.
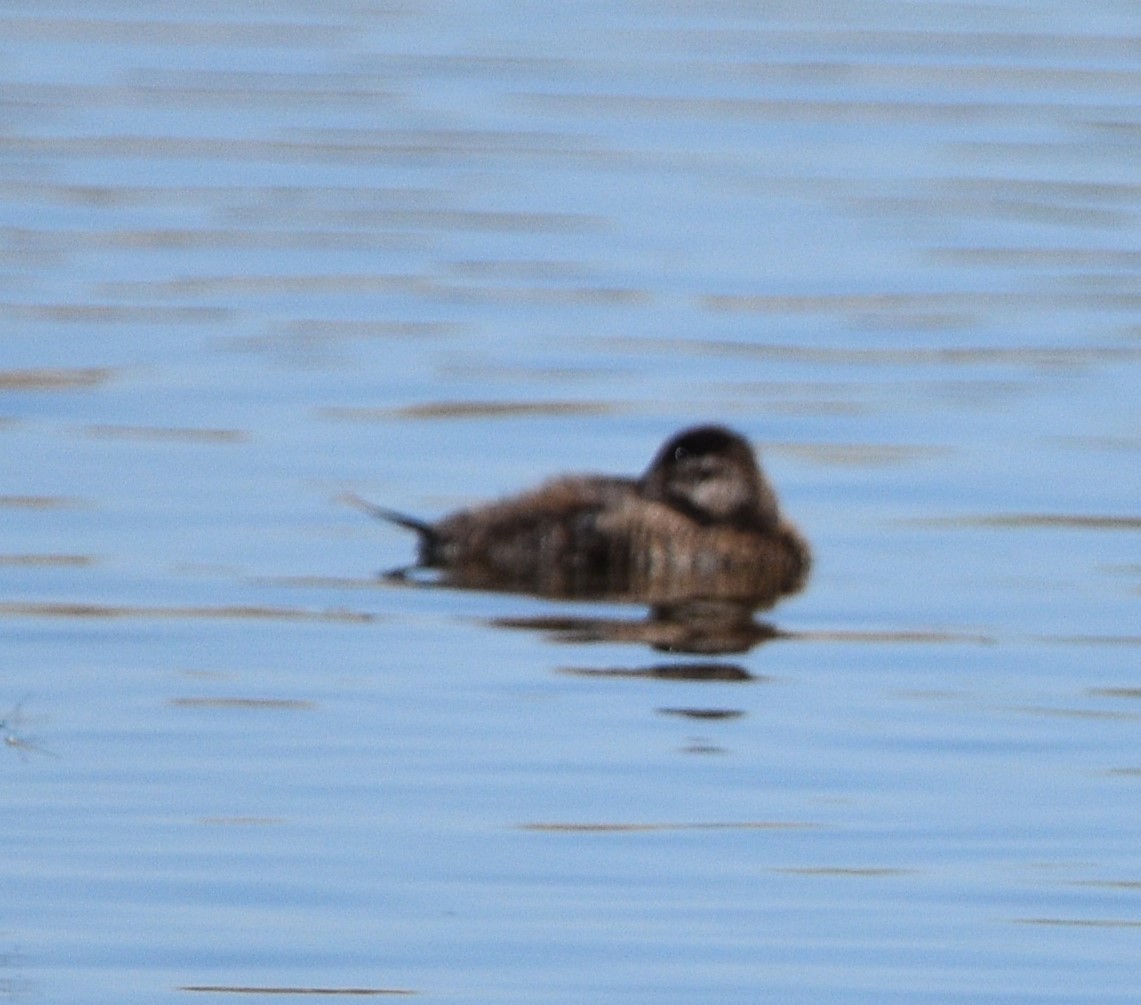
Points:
(255, 258)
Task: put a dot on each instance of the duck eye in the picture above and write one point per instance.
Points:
(680, 453)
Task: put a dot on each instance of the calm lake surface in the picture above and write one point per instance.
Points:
(254, 257)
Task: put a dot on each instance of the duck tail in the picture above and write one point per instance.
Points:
(426, 532)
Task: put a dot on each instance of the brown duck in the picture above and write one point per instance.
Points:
(701, 523)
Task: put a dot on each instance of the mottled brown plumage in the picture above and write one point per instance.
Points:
(702, 522)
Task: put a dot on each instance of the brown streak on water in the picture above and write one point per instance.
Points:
(47, 561)
(643, 828)
(257, 703)
(240, 989)
(165, 435)
(40, 502)
(107, 611)
(470, 410)
(54, 379)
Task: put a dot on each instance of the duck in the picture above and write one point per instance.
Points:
(700, 523)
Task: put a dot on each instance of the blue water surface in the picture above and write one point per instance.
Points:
(254, 258)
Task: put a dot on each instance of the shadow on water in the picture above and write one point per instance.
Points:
(702, 624)
(705, 628)
(721, 672)
(699, 628)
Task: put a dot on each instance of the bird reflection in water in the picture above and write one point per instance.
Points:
(699, 538)
(700, 628)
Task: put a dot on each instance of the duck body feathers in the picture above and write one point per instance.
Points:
(702, 522)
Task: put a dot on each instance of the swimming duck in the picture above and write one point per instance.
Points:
(702, 522)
